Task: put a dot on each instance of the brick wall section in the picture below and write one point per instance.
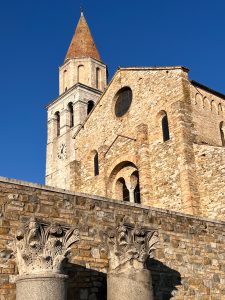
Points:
(189, 260)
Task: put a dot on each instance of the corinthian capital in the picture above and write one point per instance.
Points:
(129, 246)
(42, 248)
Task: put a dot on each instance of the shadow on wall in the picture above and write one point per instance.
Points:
(164, 279)
(89, 284)
(85, 283)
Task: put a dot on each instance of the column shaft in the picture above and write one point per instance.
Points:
(41, 287)
(130, 286)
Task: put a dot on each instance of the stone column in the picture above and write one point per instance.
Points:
(40, 251)
(129, 247)
(131, 183)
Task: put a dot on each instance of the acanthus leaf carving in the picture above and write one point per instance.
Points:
(42, 248)
(130, 245)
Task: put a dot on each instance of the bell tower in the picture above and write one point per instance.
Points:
(82, 79)
(82, 63)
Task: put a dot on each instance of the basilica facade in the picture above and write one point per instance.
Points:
(150, 135)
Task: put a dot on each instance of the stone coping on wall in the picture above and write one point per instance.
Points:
(103, 199)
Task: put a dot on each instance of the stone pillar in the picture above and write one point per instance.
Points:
(40, 251)
(129, 247)
(131, 193)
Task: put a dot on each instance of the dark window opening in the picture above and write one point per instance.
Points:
(222, 133)
(90, 106)
(57, 115)
(137, 197)
(123, 191)
(70, 107)
(165, 128)
(96, 165)
(123, 101)
(126, 194)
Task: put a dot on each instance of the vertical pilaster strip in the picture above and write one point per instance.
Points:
(144, 168)
(185, 153)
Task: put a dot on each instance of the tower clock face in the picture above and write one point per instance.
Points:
(62, 152)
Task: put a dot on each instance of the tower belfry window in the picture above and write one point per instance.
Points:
(80, 75)
(57, 117)
(71, 112)
(90, 106)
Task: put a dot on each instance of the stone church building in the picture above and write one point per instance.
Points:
(150, 136)
(134, 202)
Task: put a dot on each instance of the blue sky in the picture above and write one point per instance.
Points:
(36, 34)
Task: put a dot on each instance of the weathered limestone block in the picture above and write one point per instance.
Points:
(40, 252)
(129, 247)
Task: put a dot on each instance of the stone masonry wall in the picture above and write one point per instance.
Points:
(116, 139)
(189, 260)
(210, 166)
(208, 112)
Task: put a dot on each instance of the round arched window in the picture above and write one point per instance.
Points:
(123, 101)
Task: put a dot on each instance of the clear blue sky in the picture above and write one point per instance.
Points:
(35, 36)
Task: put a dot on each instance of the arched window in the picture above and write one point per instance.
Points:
(80, 74)
(90, 106)
(70, 108)
(165, 127)
(222, 133)
(64, 80)
(96, 164)
(98, 79)
(123, 190)
(57, 118)
(137, 198)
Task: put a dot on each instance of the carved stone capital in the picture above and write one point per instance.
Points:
(129, 246)
(42, 248)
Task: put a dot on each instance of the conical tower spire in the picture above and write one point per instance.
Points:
(82, 44)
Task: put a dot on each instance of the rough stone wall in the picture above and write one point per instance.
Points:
(155, 91)
(210, 165)
(166, 177)
(208, 111)
(188, 263)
